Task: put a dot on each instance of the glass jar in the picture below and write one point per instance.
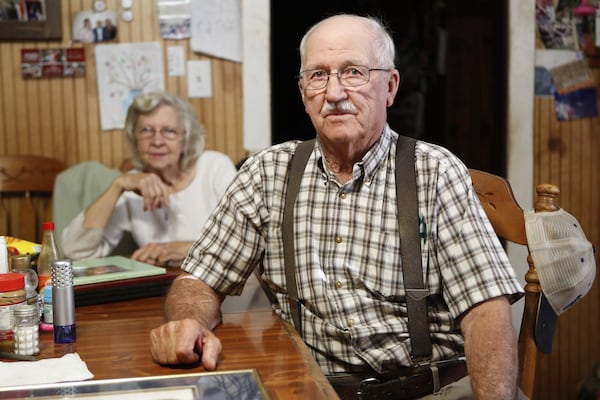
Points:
(27, 332)
(12, 289)
(12, 294)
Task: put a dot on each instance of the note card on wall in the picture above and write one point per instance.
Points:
(199, 78)
(217, 28)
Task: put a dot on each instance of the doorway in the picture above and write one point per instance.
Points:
(452, 58)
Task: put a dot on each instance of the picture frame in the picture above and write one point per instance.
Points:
(112, 268)
(115, 278)
(237, 384)
(95, 26)
(22, 27)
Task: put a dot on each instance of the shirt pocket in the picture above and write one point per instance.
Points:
(381, 271)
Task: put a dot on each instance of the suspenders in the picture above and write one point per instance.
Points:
(408, 221)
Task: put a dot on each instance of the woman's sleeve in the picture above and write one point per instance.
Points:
(78, 242)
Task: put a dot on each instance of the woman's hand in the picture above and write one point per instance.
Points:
(169, 254)
(150, 186)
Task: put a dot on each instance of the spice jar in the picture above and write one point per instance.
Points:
(12, 294)
(27, 333)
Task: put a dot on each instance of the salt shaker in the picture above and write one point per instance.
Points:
(63, 301)
(26, 331)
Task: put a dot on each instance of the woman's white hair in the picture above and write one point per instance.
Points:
(194, 134)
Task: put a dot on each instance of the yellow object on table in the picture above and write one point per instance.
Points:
(20, 246)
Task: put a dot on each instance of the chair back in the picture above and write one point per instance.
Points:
(508, 220)
(26, 185)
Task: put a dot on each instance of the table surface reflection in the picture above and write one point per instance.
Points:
(114, 341)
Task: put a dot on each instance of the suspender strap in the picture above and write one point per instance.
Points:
(295, 172)
(410, 244)
(408, 221)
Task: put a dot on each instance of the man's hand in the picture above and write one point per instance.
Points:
(184, 342)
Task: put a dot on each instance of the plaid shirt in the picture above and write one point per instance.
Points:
(349, 270)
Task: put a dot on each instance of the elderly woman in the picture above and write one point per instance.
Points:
(166, 199)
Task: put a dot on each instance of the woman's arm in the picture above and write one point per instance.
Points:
(148, 185)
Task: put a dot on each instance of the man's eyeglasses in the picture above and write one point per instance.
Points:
(350, 76)
(147, 132)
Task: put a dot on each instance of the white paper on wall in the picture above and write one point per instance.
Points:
(123, 71)
(199, 78)
(217, 28)
(176, 60)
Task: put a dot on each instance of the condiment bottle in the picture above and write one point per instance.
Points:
(47, 324)
(49, 252)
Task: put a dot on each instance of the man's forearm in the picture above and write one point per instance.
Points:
(192, 298)
(491, 350)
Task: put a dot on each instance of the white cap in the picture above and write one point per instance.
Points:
(565, 264)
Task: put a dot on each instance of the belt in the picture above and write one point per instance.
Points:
(410, 383)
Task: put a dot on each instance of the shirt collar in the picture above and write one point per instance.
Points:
(373, 159)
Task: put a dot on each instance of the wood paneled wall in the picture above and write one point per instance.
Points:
(568, 154)
(59, 117)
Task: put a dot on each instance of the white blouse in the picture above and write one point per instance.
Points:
(188, 210)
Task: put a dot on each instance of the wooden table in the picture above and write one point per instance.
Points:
(114, 341)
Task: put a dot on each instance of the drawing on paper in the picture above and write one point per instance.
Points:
(123, 72)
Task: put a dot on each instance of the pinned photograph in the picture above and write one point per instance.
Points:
(31, 10)
(95, 27)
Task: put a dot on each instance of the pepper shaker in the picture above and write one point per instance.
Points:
(63, 302)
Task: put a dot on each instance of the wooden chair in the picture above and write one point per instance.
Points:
(26, 185)
(507, 218)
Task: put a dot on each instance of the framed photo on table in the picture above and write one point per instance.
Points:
(31, 20)
(238, 384)
(116, 278)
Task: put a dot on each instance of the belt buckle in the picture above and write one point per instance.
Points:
(366, 382)
(365, 391)
(435, 374)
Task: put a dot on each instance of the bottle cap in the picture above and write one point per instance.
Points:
(20, 261)
(585, 8)
(48, 226)
(25, 310)
(11, 281)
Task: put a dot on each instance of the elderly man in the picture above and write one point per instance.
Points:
(349, 270)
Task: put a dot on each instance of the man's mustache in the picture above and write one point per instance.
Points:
(339, 107)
